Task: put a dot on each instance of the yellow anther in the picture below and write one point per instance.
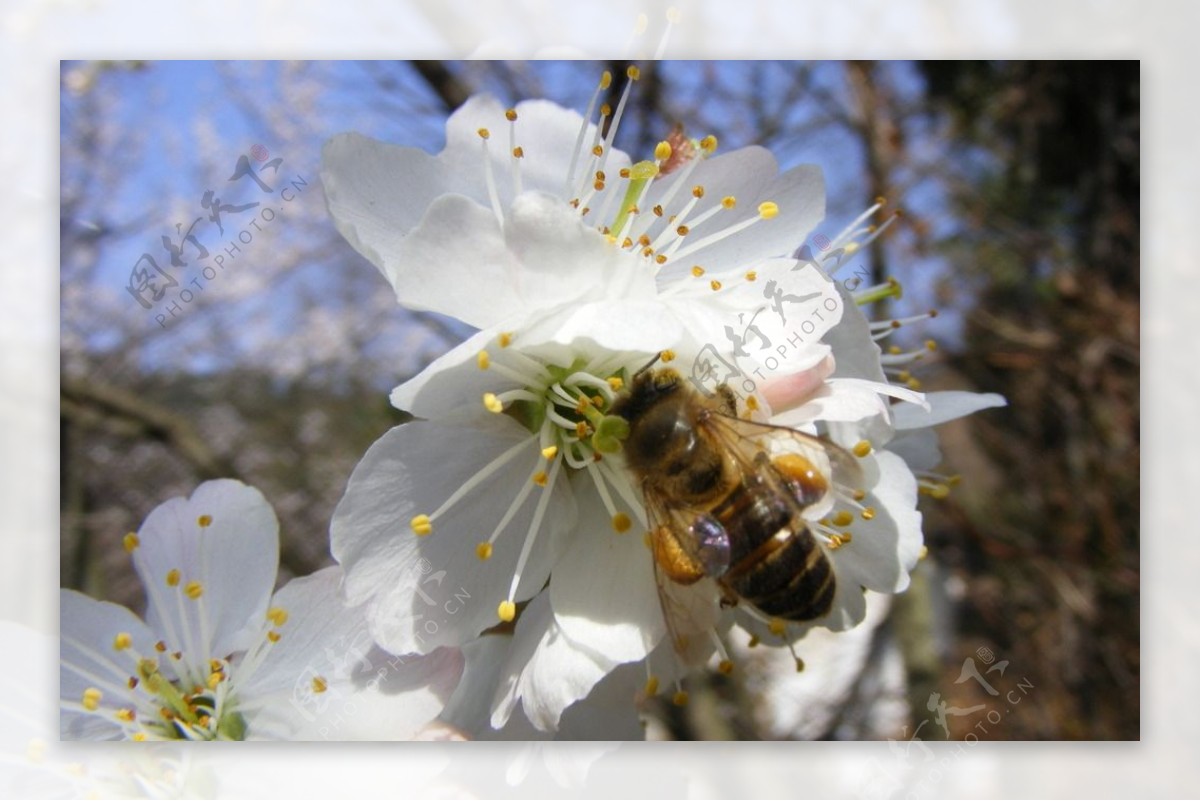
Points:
(628, 243)
(768, 209)
(600, 176)
(511, 115)
(277, 615)
(421, 525)
(125, 715)
(777, 627)
(492, 403)
(616, 383)
(799, 665)
(540, 478)
(660, 259)
(708, 144)
(582, 430)
(850, 248)
(484, 551)
(923, 553)
(484, 133)
(597, 150)
(319, 684)
(658, 212)
(91, 699)
(549, 452)
(518, 152)
(843, 518)
(846, 537)
(605, 79)
(913, 384)
(173, 576)
(861, 448)
(939, 491)
(624, 173)
(752, 276)
(216, 665)
(214, 679)
(599, 187)
(680, 698)
(193, 590)
(715, 284)
(752, 403)
(933, 313)
(868, 513)
(160, 646)
(667, 355)
(835, 542)
(274, 636)
(504, 340)
(662, 151)
(682, 230)
(633, 72)
(204, 521)
(754, 641)
(729, 201)
(725, 667)
(581, 406)
(483, 360)
(138, 737)
(697, 271)
(697, 191)
(648, 541)
(506, 611)
(621, 522)
(122, 641)
(651, 686)
(131, 542)
(605, 111)
(930, 345)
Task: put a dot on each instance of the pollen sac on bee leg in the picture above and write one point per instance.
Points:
(712, 544)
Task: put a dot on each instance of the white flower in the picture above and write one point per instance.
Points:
(579, 266)
(219, 656)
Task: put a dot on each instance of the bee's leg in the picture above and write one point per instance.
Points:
(728, 597)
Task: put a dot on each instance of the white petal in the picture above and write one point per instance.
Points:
(856, 353)
(603, 591)
(234, 558)
(635, 327)
(750, 175)
(452, 381)
(470, 707)
(545, 671)
(944, 406)
(423, 592)
(87, 659)
(918, 447)
(368, 694)
(456, 262)
(884, 549)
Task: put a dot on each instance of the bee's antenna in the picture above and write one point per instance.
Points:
(648, 364)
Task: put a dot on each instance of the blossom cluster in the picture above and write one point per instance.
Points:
(493, 563)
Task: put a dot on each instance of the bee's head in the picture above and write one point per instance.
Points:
(647, 389)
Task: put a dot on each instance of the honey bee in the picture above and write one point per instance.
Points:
(721, 506)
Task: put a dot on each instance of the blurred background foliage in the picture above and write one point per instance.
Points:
(1019, 184)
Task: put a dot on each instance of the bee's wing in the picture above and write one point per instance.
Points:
(748, 440)
(680, 562)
